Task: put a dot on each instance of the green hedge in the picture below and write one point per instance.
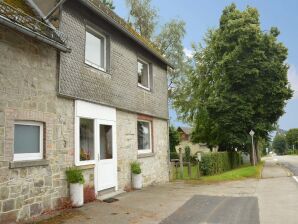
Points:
(174, 155)
(218, 162)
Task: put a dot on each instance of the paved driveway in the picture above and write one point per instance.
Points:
(216, 209)
(270, 200)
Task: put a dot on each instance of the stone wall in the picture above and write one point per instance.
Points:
(155, 167)
(28, 91)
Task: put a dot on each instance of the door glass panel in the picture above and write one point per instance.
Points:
(86, 139)
(106, 142)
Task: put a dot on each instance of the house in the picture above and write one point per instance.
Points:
(79, 87)
(185, 134)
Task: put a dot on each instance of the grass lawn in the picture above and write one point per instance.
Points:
(236, 174)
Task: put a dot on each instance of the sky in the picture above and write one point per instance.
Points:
(200, 15)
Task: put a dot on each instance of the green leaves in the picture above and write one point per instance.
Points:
(143, 17)
(109, 3)
(174, 138)
(135, 167)
(279, 144)
(238, 82)
(74, 175)
(292, 138)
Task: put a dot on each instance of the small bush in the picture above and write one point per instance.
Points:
(187, 153)
(89, 194)
(74, 175)
(135, 167)
(219, 162)
(174, 155)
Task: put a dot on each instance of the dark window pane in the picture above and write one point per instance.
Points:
(86, 139)
(143, 135)
(106, 142)
(26, 139)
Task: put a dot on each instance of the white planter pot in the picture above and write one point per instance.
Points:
(137, 181)
(77, 194)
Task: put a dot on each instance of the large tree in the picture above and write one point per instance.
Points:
(238, 83)
(143, 17)
(279, 144)
(169, 41)
(292, 138)
(109, 4)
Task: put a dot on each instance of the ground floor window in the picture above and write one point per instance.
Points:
(144, 136)
(28, 140)
(86, 139)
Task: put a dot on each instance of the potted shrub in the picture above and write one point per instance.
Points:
(136, 175)
(76, 181)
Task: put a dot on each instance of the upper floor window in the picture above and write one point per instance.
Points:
(143, 75)
(95, 49)
(28, 140)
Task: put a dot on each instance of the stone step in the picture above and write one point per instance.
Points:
(105, 196)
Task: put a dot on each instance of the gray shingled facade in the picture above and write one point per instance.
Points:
(118, 87)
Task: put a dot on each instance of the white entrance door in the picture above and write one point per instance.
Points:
(107, 161)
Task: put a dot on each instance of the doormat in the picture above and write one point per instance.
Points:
(110, 200)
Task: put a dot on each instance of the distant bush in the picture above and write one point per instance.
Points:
(174, 155)
(218, 162)
(187, 154)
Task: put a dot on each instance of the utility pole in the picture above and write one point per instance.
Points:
(251, 133)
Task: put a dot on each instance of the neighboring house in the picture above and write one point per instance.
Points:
(97, 101)
(185, 133)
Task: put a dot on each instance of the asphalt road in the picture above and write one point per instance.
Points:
(290, 162)
(216, 209)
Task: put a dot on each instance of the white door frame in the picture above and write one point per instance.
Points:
(114, 158)
(101, 115)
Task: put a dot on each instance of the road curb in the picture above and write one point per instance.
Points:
(289, 172)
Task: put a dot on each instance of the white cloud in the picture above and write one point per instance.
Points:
(188, 52)
(293, 79)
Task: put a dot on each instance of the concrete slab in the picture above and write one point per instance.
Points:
(216, 209)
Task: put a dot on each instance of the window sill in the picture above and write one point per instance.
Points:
(145, 155)
(86, 167)
(28, 163)
(144, 87)
(104, 70)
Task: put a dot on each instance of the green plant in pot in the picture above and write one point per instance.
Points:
(136, 172)
(76, 182)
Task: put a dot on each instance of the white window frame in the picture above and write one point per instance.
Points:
(148, 74)
(97, 33)
(30, 156)
(146, 151)
(78, 161)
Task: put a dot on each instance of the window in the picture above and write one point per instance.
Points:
(28, 141)
(144, 137)
(143, 75)
(86, 139)
(106, 142)
(95, 50)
